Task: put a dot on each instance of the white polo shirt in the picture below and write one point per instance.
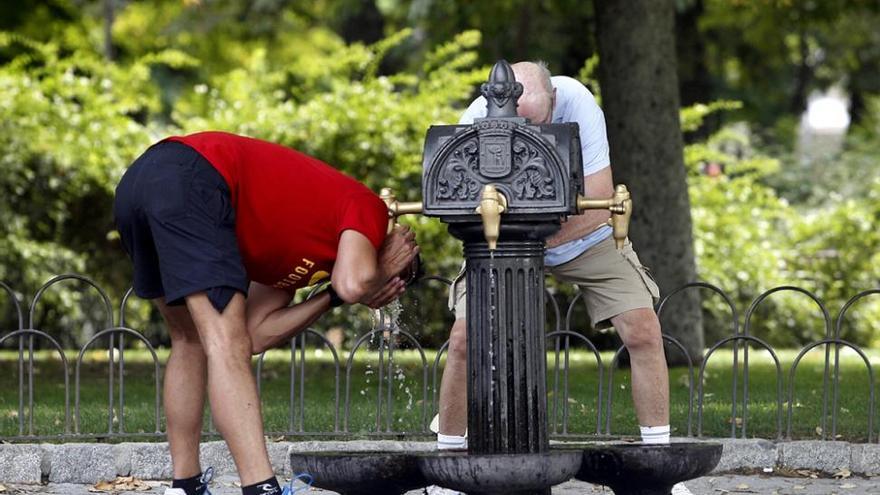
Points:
(574, 103)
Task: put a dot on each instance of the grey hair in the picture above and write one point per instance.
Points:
(545, 74)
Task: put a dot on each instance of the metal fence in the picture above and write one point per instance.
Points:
(561, 342)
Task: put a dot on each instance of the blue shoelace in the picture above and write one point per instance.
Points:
(303, 477)
(206, 478)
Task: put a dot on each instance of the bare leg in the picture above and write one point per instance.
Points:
(453, 385)
(184, 390)
(640, 331)
(231, 387)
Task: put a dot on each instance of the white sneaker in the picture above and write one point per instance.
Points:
(181, 491)
(439, 490)
(435, 425)
(207, 476)
(680, 489)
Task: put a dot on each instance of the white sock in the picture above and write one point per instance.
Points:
(446, 442)
(655, 434)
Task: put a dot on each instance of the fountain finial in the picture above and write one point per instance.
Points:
(501, 91)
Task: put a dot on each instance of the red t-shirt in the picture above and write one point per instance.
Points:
(290, 208)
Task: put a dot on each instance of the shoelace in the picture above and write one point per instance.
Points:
(207, 476)
(305, 478)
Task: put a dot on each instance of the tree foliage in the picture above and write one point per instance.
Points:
(281, 70)
(771, 53)
(749, 240)
(72, 123)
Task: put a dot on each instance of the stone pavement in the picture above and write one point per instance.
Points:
(710, 485)
(73, 468)
(87, 463)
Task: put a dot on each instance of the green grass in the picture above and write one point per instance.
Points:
(408, 401)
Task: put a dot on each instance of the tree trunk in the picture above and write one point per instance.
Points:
(803, 76)
(695, 81)
(640, 95)
(109, 18)
(362, 22)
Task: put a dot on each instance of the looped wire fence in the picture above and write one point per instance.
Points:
(385, 339)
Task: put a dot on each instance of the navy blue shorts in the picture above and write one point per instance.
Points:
(176, 221)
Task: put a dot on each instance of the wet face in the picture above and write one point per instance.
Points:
(537, 107)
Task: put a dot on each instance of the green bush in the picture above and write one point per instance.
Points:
(69, 124)
(72, 123)
(749, 240)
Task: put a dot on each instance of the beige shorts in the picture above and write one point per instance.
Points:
(612, 281)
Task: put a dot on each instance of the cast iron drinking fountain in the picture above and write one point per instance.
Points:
(503, 185)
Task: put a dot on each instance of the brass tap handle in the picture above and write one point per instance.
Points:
(620, 216)
(396, 208)
(620, 206)
(492, 204)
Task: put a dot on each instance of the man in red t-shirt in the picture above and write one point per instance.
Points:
(222, 230)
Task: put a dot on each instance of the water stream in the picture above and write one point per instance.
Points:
(493, 294)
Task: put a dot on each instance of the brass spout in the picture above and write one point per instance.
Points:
(396, 208)
(620, 206)
(492, 205)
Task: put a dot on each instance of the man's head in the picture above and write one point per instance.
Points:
(539, 95)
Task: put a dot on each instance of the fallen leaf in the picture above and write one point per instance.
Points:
(2, 488)
(842, 473)
(120, 484)
(101, 486)
(742, 486)
(799, 487)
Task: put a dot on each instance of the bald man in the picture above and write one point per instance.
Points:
(618, 290)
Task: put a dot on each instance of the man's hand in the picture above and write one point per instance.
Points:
(389, 292)
(396, 255)
(597, 185)
(362, 274)
(397, 252)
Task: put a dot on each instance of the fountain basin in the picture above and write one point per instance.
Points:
(360, 473)
(491, 474)
(637, 469)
